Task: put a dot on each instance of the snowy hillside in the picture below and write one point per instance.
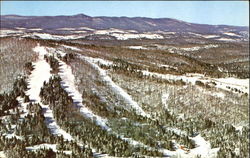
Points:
(69, 99)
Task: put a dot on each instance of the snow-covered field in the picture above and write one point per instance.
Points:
(46, 146)
(226, 39)
(231, 34)
(222, 83)
(137, 47)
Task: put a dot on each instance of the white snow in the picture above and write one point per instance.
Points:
(168, 66)
(2, 155)
(231, 34)
(137, 47)
(125, 35)
(68, 83)
(39, 75)
(4, 32)
(61, 53)
(52, 125)
(20, 28)
(221, 83)
(240, 84)
(238, 128)
(46, 146)
(202, 147)
(71, 47)
(100, 61)
(136, 36)
(173, 49)
(210, 36)
(116, 88)
(226, 39)
(12, 135)
(53, 37)
(111, 30)
(196, 34)
(42, 146)
(86, 28)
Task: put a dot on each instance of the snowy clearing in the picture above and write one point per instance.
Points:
(136, 36)
(40, 74)
(137, 47)
(231, 34)
(125, 35)
(72, 48)
(46, 146)
(53, 37)
(222, 83)
(86, 28)
(226, 39)
(168, 66)
(210, 36)
(203, 148)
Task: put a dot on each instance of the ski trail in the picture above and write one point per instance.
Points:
(202, 147)
(117, 89)
(39, 75)
(68, 83)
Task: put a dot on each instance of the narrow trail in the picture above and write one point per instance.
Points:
(68, 83)
(202, 147)
(117, 89)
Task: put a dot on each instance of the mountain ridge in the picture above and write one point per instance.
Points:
(140, 24)
(142, 17)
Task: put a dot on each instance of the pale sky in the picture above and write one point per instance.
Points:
(205, 12)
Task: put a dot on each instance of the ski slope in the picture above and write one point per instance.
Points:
(39, 75)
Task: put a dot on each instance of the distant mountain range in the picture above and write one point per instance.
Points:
(80, 23)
